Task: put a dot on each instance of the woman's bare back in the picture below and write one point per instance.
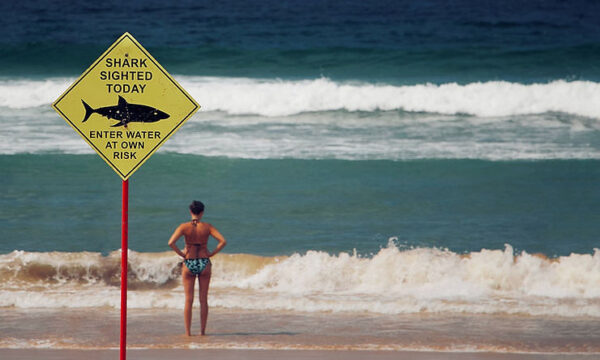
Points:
(196, 235)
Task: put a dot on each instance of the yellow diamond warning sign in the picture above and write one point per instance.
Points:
(125, 105)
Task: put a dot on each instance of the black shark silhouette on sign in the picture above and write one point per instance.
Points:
(125, 113)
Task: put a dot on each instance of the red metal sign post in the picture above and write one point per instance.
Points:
(124, 250)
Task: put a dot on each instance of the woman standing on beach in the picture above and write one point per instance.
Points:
(196, 261)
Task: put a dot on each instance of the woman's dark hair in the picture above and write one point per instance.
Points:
(196, 207)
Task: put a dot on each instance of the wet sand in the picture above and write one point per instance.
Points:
(222, 354)
(96, 330)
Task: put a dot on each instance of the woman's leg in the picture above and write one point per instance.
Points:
(188, 279)
(204, 282)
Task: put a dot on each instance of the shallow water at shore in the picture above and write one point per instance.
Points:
(272, 330)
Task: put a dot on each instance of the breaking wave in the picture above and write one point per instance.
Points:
(393, 281)
(324, 119)
(274, 97)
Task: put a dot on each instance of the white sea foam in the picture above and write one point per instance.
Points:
(393, 281)
(494, 98)
(321, 118)
(273, 97)
(335, 135)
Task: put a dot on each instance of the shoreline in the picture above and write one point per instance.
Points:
(97, 330)
(255, 354)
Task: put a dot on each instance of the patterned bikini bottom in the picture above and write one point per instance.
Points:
(196, 266)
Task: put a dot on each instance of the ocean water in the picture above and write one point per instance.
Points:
(403, 162)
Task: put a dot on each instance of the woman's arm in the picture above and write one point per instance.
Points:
(217, 235)
(173, 240)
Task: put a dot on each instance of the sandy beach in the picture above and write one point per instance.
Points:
(10, 354)
(295, 334)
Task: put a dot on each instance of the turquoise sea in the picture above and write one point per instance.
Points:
(284, 206)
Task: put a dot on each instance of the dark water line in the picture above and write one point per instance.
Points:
(394, 41)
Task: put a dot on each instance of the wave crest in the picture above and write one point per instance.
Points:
(274, 97)
(145, 270)
(427, 273)
(396, 280)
